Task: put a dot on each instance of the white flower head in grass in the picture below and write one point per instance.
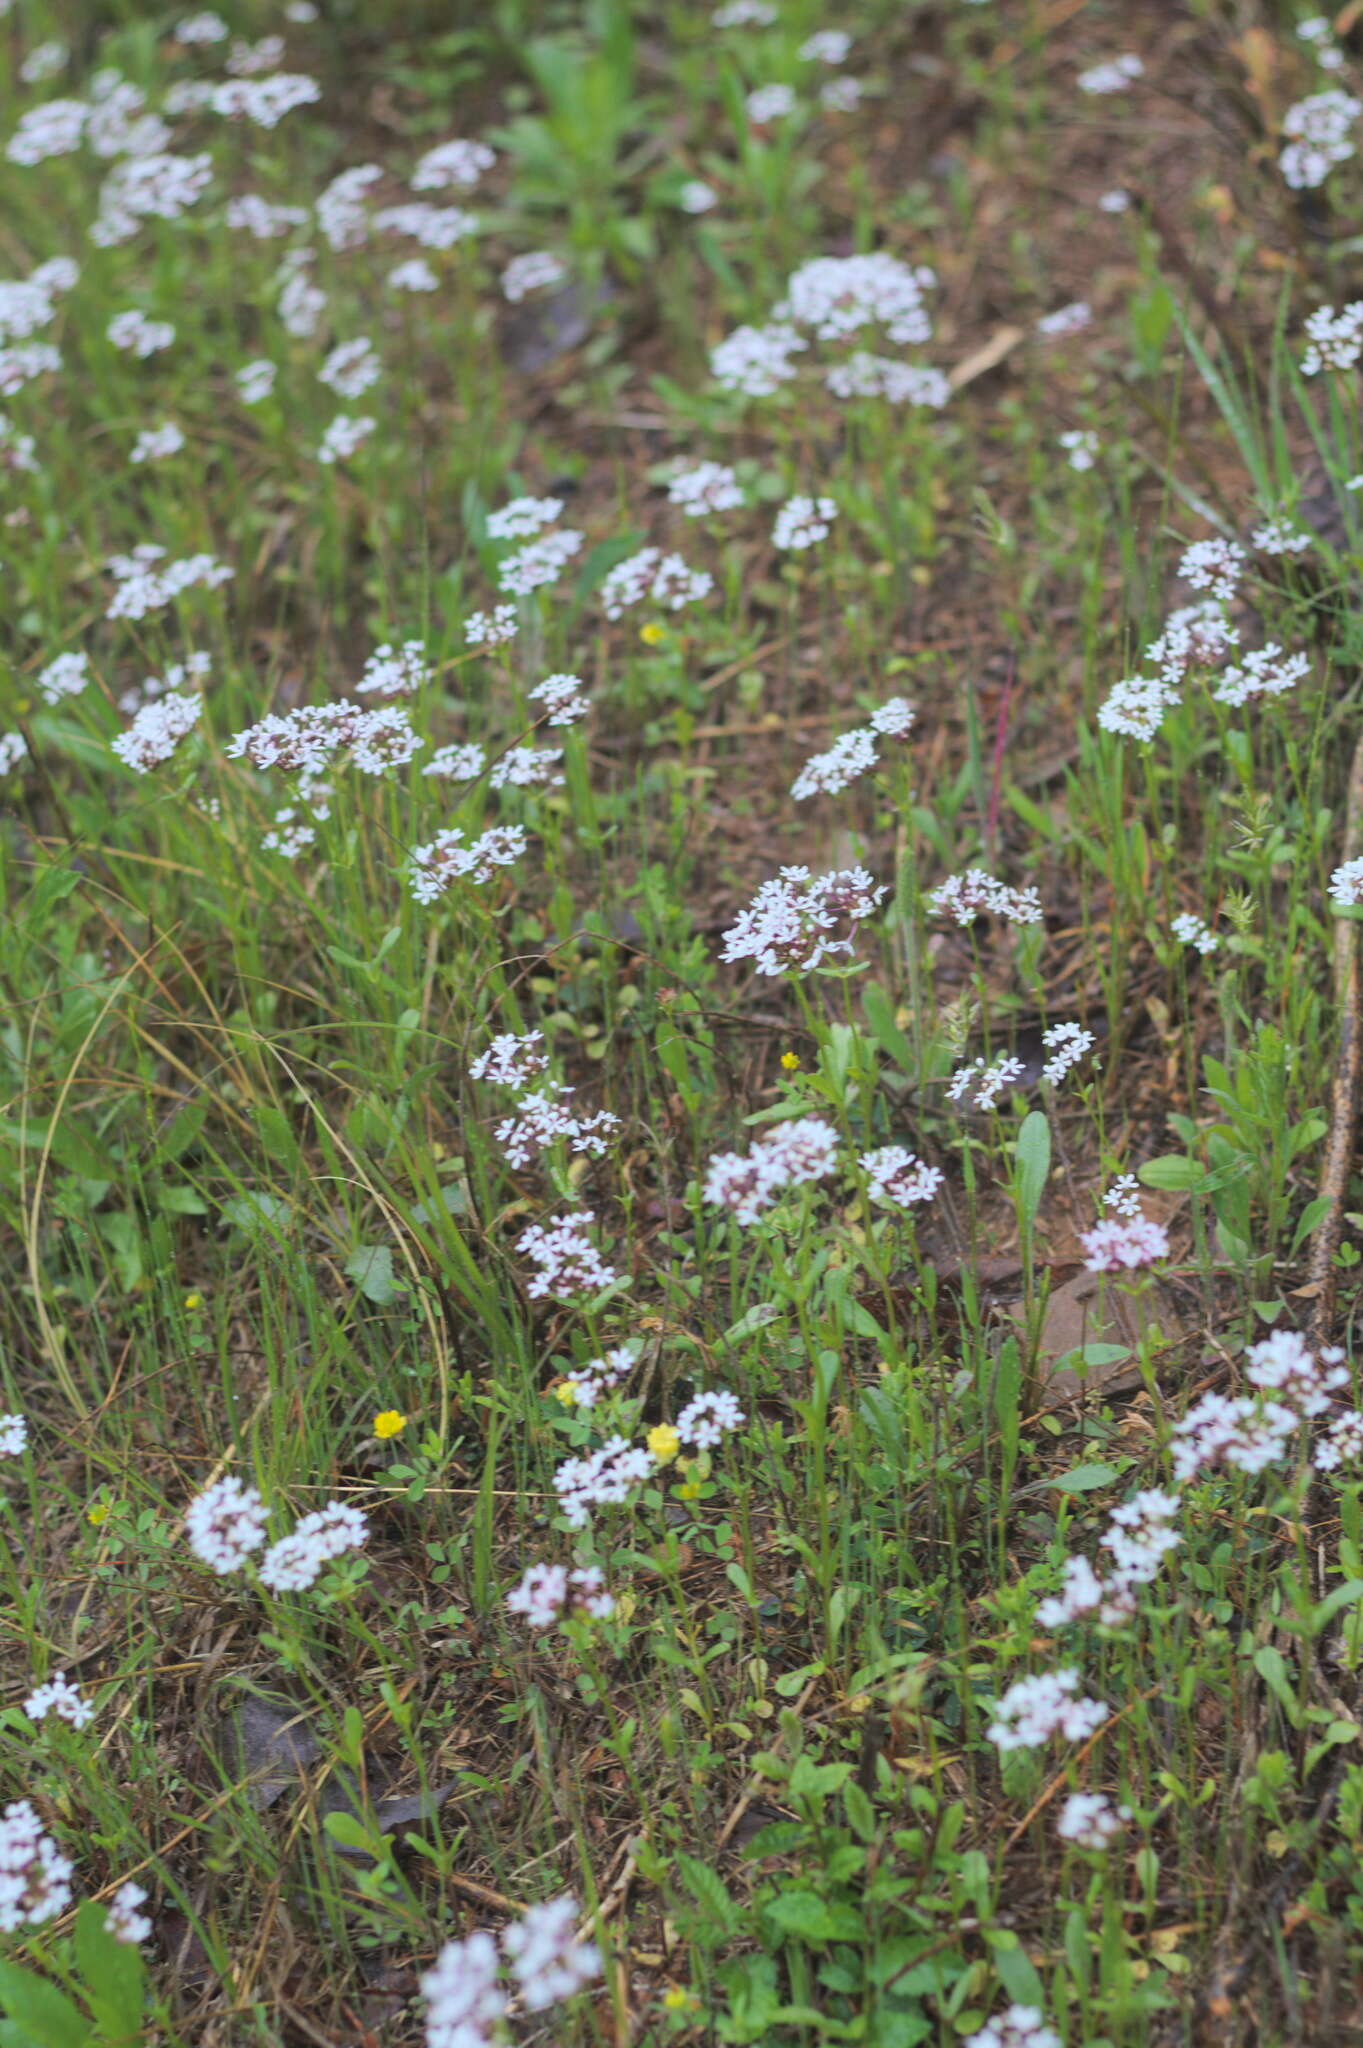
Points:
(456, 163)
(1081, 445)
(849, 758)
(547, 1960)
(225, 1524)
(395, 671)
(1267, 672)
(745, 14)
(145, 582)
(58, 1696)
(344, 436)
(527, 768)
(568, 1262)
(18, 452)
(261, 218)
(1124, 1196)
(1320, 135)
(256, 380)
(457, 763)
(696, 196)
(449, 858)
(1115, 201)
(543, 1119)
(154, 444)
(841, 95)
(491, 629)
(654, 577)
(289, 836)
(124, 1919)
(27, 305)
(13, 749)
(560, 700)
(1124, 1244)
(755, 361)
(1278, 536)
(802, 521)
(265, 101)
(983, 1085)
(793, 1155)
(13, 1436)
(1195, 636)
(541, 561)
(204, 27)
(708, 1418)
(301, 302)
(1091, 1821)
(1282, 1366)
(513, 1060)
(1335, 340)
(522, 517)
(134, 333)
(1071, 319)
(1022, 2026)
(304, 741)
(587, 1385)
(415, 275)
(342, 215)
(35, 1878)
(601, 1479)
(826, 46)
(1083, 1595)
(532, 272)
(547, 1593)
(798, 920)
(708, 487)
(157, 731)
(298, 1560)
(1140, 1535)
(1246, 1436)
(897, 1178)
(1341, 1443)
(977, 893)
(57, 128)
(768, 103)
(67, 676)
(20, 365)
(1346, 884)
(160, 186)
(463, 1998)
(434, 227)
(1136, 707)
(894, 719)
(351, 368)
(862, 375)
(1067, 1045)
(836, 296)
(1034, 1710)
(1117, 74)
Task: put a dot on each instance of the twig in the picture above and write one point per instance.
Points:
(1339, 1150)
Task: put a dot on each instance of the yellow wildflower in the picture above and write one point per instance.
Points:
(663, 1443)
(790, 1061)
(653, 634)
(390, 1423)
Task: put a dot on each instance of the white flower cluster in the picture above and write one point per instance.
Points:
(13, 1436)
(1020, 2027)
(1123, 1244)
(708, 1418)
(1266, 672)
(854, 753)
(513, 1059)
(58, 1696)
(1320, 132)
(522, 517)
(434, 227)
(802, 521)
(137, 335)
(1335, 339)
(543, 1119)
(755, 361)
(307, 740)
(602, 1478)
(1114, 75)
(897, 1178)
(1071, 319)
(539, 562)
(225, 1525)
(797, 920)
(977, 893)
(157, 731)
(862, 375)
(1081, 445)
(651, 575)
(1035, 1709)
(491, 629)
(587, 1385)
(297, 1560)
(1346, 884)
(791, 1155)
(35, 1878)
(262, 219)
(301, 302)
(143, 585)
(159, 186)
(985, 1085)
(568, 1262)
(452, 163)
(65, 676)
(561, 699)
(27, 305)
(256, 380)
(548, 1592)
(1278, 536)
(351, 368)
(342, 216)
(708, 487)
(464, 2000)
(153, 444)
(1091, 1821)
(395, 671)
(13, 749)
(836, 296)
(526, 768)
(124, 1920)
(450, 858)
(770, 103)
(1066, 1044)
(347, 432)
(531, 273)
(457, 763)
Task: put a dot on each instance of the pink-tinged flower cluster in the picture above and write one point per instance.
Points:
(897, 1178)
(1214, 565)
(450, 858)
(548, 1593)
(655, 578)
(568, 1262)
(35, 1877)
(977, 893)
(1034, 1710)
(1021, 2026)
(789, 1156)
(522, 517)
(601, 1478)
(1123, 1244)
(708, 1418)
(297, 1560)
(307, 740)
(589, 1384)
(541, 561)
(1091, 1821)
(124, 1920)
(157, 731)
(798, 920)
(225, 1524)
(463, 1994)
(1244, 1435)
(543, 1119)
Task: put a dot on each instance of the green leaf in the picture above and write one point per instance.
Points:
(1313, 1214)
(353, 1834)
(1272, 1667)
(879, 1012)
(1085, 1478)
(112, 1972)
(1172, 1171)
(1017, 1974)
(804, 1914)
(371, 1268)
(708, 1889)
(1034, 1162)
(46, 2017)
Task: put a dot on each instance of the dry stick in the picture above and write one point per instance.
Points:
(1339, 1151)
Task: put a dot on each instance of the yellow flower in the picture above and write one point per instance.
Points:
(194, 1300)
(677, 1998)
(97, 1512)
(690, 1491)
(663, 1443)
(567, 1391)
(390, 1423)
(653, 634)
(790, 1061)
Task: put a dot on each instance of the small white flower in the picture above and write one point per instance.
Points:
(696, 196)
(1091, 1820)
(455, 163)
(522, 517)
(415, 275)
(1082, 446)
(548, 1962)
(133, 332)
(531, 273)
(1113, 76)
(343, 437)
(124, 1920)
(13, 1436)
(802, 521)
(351, 368)
(58, 1696)
(1115, 201)
(64, 677)
(1069, 319)
(708, 487)
(256, 380)
(770, 103)
(1035, 1709)
(153, 444)
(225, 1524)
